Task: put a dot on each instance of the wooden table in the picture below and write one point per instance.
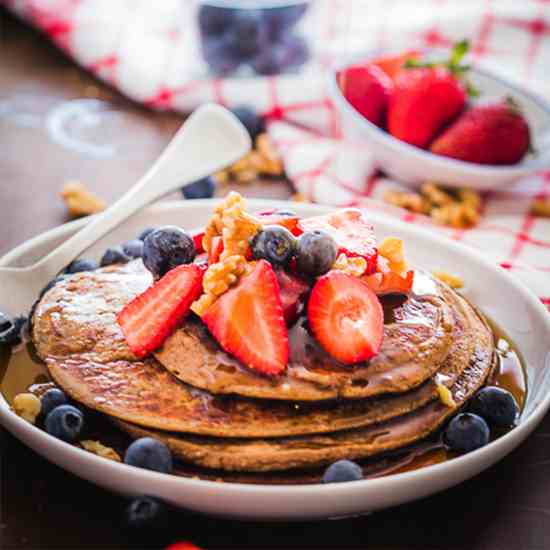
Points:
(41, 506)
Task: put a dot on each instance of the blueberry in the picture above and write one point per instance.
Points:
(133, 248)
(51, 399)
(147, 231)
(114, 255)
(316, 253)
(65, 422)
(150, 454)
(200, 189)
(274, 243)
(145, 514)
(166, 248)
(220, 55)
(248, 34)
(11, 335)
(343, 470)
(250, 119)
(214, 20)
(496, 406)
(283, 18)
(466, 432)
(51, 284)
(286, 55)
(81, 265)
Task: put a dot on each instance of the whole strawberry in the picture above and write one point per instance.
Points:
(492, 132)
(426, 97)
(368, 89)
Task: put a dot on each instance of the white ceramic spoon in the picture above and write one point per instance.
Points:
(210, 139)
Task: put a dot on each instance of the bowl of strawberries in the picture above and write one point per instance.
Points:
(427, 115)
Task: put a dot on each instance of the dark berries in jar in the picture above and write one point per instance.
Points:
(200, 189)
(341, 471)
(316, 253)
(65, 422)
(274, 243)
(151, 454)
(166, 248)
(220, 55)
(466, 432)
(496, 406)
(284, 56)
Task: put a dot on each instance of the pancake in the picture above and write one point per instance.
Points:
(262, 455)
(417, 340)
(76, 334)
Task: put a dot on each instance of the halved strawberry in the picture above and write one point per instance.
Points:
(247, 321)
(353, 234)
(388, 282)
(197, 239)
(216, 250)
(150, 317)
(270, 217)
(293, 290)
(346, 317)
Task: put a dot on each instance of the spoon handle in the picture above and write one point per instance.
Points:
(210, 139)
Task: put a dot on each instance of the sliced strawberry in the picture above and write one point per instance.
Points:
(270, 217)
(197, 239)
(150, 317)
(388, 282)
(293, 290)
(346, 317)
(216, 250)
(247, 321)
(353, 234)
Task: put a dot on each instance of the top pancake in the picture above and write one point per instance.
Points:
(417, 339)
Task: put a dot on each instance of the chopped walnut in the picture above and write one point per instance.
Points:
(410, 201)
(355, 266)
(452, 280)
(541, 207)
(470, 197)
(233, 224)
(101, 450)
(456, 215)
(436, 195)
(80, 201)
(217, 280)
(393, 250)
(445, 395)
(27, 406)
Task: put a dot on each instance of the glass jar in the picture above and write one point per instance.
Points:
(253, 37)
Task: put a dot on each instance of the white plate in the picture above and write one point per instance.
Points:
(518, 311)
(413, 165)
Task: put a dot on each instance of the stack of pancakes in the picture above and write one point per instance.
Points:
(215, 413)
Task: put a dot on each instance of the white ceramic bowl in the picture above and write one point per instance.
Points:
(517, 310)
(413, 165)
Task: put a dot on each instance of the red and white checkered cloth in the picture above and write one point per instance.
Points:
(148, 50)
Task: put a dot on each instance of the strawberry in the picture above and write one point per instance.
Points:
(197, 239)
(351, 231)
(247, 321)
(389, 282)
(368, 89)
(492, 132)
(271, 217)
(216, 248)
(346, 317)
(292, 290)
(151, 317)
(391, 64)
(426, 97)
